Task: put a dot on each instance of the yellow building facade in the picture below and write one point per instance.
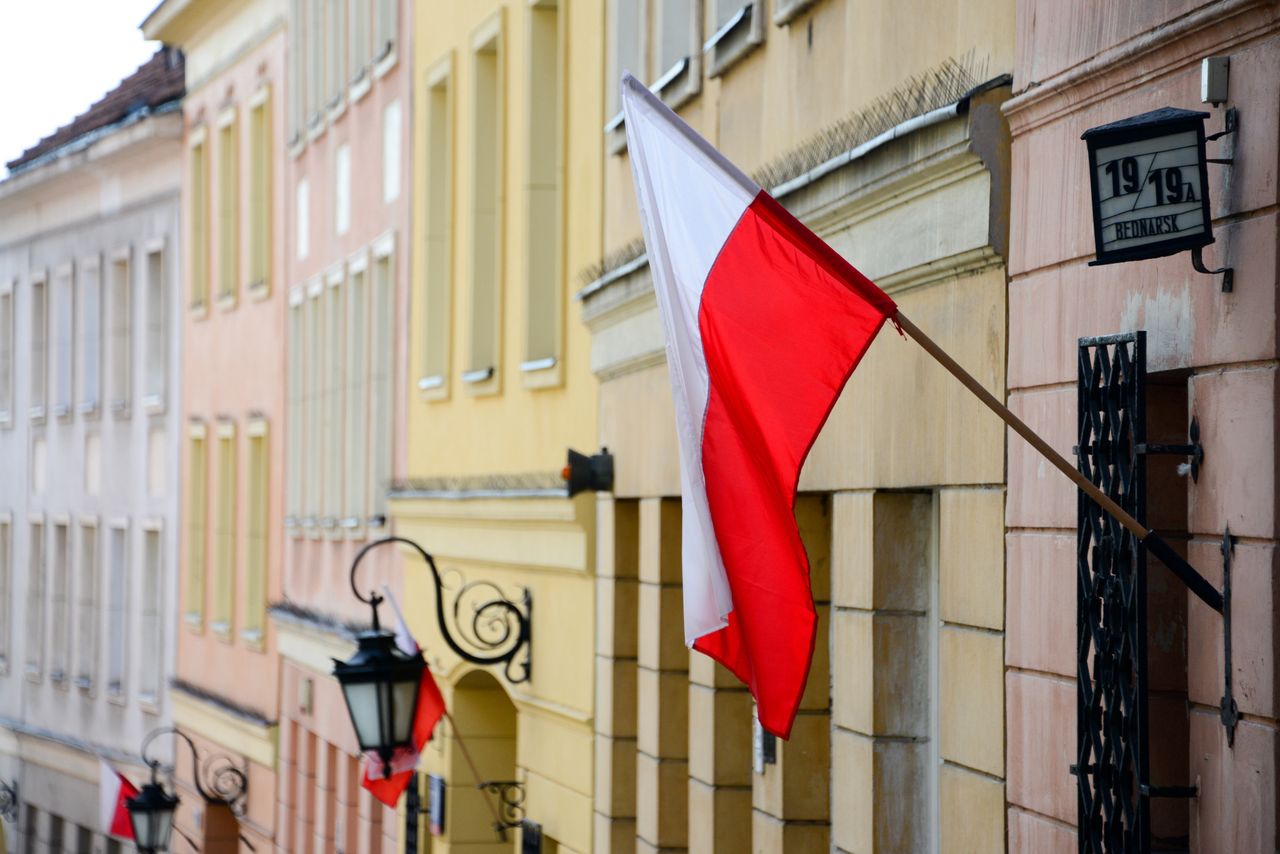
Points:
(878, 124)
(507, 210)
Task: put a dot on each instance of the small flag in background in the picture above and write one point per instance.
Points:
(764, 324)
(113, 789)
(430, 709)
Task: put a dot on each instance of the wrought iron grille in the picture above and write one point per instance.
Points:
(1111, 601)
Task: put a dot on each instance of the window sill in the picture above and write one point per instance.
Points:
(385, 62)
(4, 666)
(149, 703)
(88, 408)
(297, 145)
(315, 128)
(6, 419)
(33, 673)
(254, 640)
(153, 404)
(615, 134)
(116, 695)
(199, 310)
(336, 107)
(194, 622)
(58, 679)
(84, 684)
(222, 631)
(259, 290)
(679, 84)
(360, 87)
(481, 382)
(541, 373)
(785, 11)
(735, 40)
(120, 408)
(36, 414)
(62, 412)
(227, 301)
(434, 387)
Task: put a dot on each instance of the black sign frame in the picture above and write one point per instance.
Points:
(1162, 122)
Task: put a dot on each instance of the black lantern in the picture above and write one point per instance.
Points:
(151, 815)
(151, 810)
(380, 684)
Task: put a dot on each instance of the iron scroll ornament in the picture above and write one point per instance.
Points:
(9, 800)
(217, 779)
(498, 627)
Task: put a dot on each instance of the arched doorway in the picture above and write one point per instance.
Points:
(486, 718)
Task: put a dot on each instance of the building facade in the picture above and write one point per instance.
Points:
(903, 167)
(1210, 358)
(224, 691)
(90, 402)
(347, 248)
(506, 185)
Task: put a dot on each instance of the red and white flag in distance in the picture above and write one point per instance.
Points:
(764, 325)
(404, 761)
(113, 789)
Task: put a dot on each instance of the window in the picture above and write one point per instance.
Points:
(86, 623)
(391, 132)
(626, 32)
(39, 347)
(677, 61)
(381, 411)
(258, 523)
(228, 210)
(35, 599)
(331, 403)
(117, 608)
(224, 531)
(199, 215)
(359, 34)
(297, 66)
(121, 333)
(342, 189)
(156, 331)
(90, 336)
(315, 62)
(784, 11)
(6, 354)
(6, 588)
(293, 414)
(60, 613)
(260, 193)
(336, 47)
(385, 28)
(63, 341)
(439, 245)
(486, 219)
(312, 410)
(542, 262)
(197, 524)
(357, 408)
(736, 28)
(149, 626)
(303, 207)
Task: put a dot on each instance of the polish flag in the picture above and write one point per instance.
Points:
(113, 789)
(764, 324)
(404, 761)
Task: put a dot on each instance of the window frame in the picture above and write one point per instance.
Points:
(355, 450)
(151, 528)
(253, 629)
(87, 406)
(438, 220)
(61, 308)
(85, 665)
(196, 571)
(261, 194)
(117, 691)
(7, 608)
(225, 530)
(228, 225)
(155, 400)
(8, 352)
(734, 40)
(199, 233)
(36, 594)
(381, 390)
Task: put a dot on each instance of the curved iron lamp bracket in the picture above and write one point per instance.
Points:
(223, 783)
(497, 628)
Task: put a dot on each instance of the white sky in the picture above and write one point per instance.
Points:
(59, 56)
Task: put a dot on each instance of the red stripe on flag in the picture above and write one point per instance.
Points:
(784, 321)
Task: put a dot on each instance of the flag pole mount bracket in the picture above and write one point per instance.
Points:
(510, 794)
(9, 800)
(489, 628)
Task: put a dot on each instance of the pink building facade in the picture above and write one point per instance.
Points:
(1211, 356)
(347, 174)
(225, 694)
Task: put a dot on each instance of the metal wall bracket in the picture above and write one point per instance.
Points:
(1193, 449)
(1228, 273)
(1228, 710)
(9, 800)
(1231, 125)
(510, 804)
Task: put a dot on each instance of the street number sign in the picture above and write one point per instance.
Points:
(1150, 185)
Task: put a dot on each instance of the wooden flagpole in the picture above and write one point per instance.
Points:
(1157, 546)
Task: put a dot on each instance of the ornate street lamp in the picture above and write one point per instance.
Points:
(151, 810)
(380, 682)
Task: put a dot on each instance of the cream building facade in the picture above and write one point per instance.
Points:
(886, 138)
(506, 183)
(89, 439)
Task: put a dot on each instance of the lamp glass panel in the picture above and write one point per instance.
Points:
(362, 702)
(403, 694)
